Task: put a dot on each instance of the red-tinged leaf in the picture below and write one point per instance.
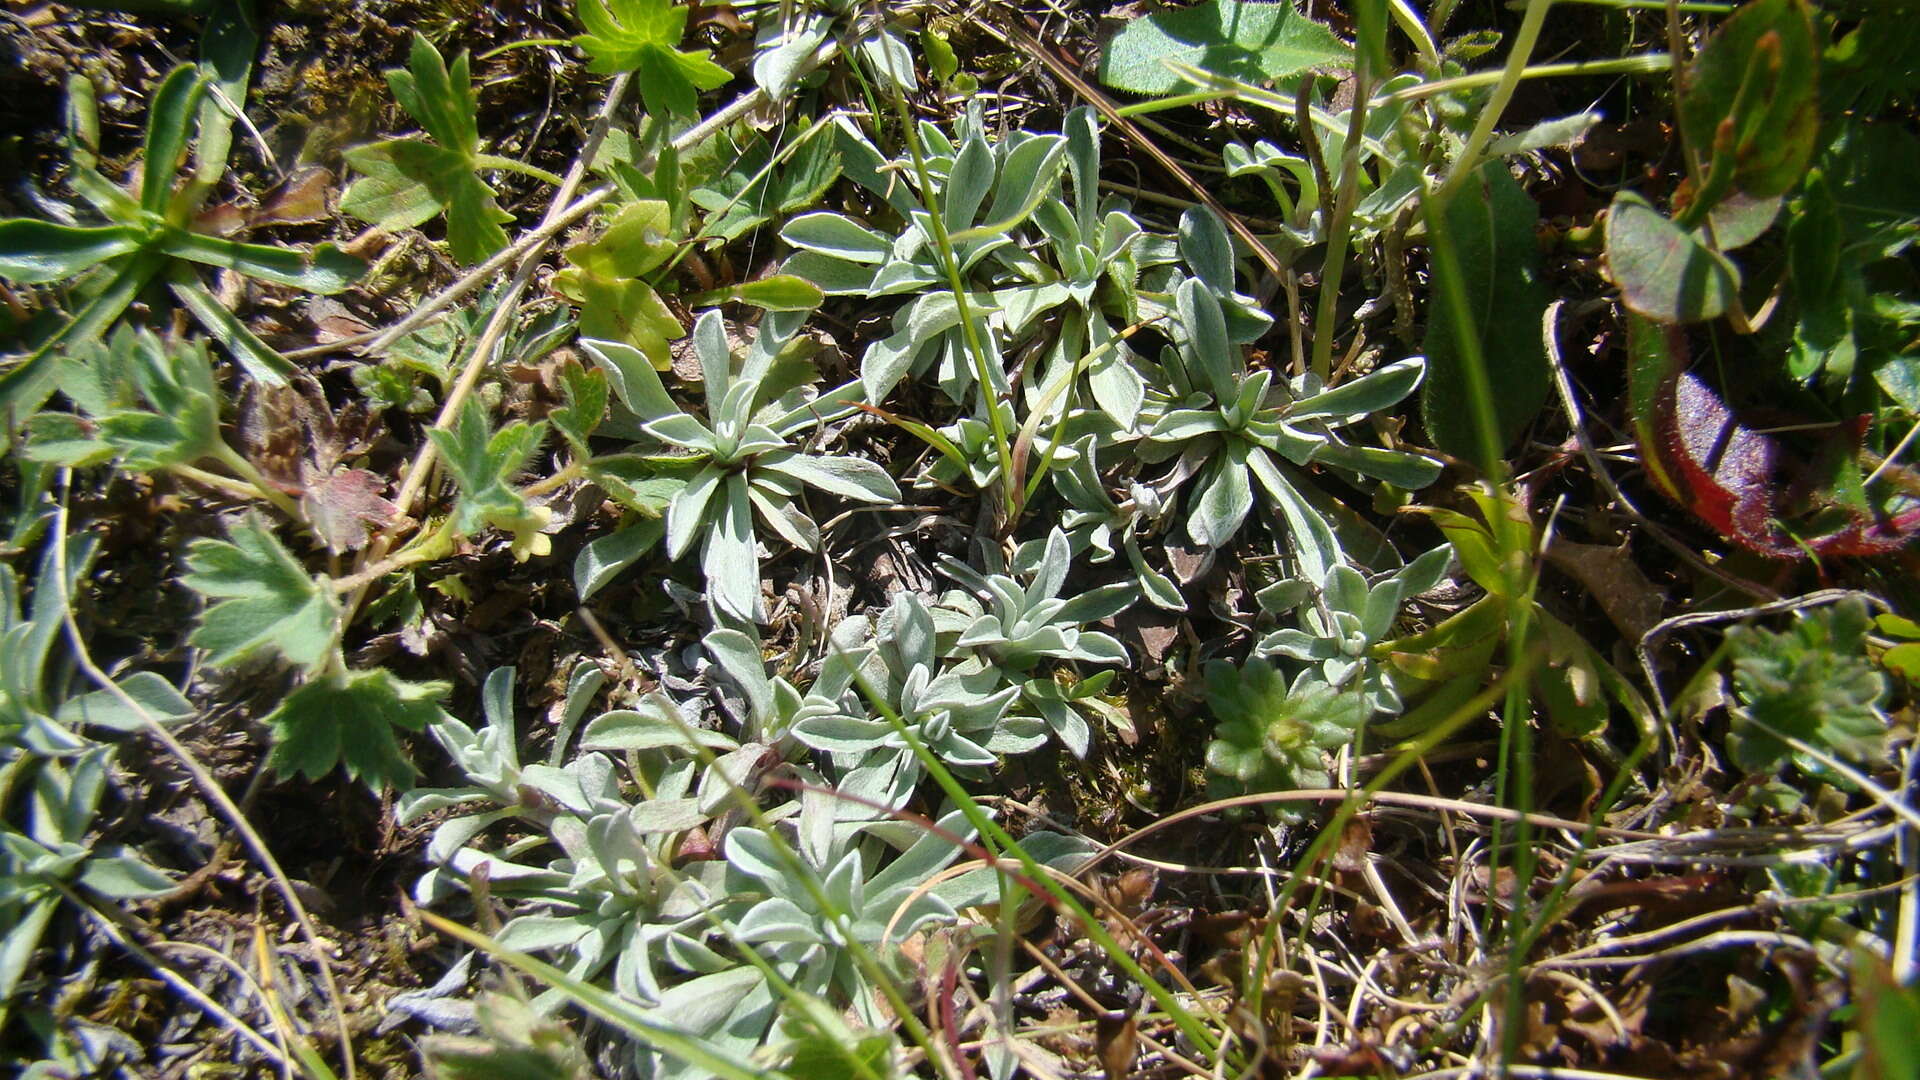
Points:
(1729, 475)
(344, 505)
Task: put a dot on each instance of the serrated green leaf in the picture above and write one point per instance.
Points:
(586, 392)
(639, 238)
(348, 719)
(66, 439)
(407, 182)
(484, 465)
(643, 37)
(627, 311)
(265, 601)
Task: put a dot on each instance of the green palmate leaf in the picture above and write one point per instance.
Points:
(1492, 225)
(586, 392)
(263, 600)
(643, 36)
(1664, 272)
(1273, 736)
(348, 719)
(1254, 42)
(484, 466)
(439, 99)
(406, 182)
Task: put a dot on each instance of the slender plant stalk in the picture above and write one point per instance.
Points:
(1003, 844)
(1469, 159)
(1337, 218)
(209, 787)
(983, 373)
(507, 164)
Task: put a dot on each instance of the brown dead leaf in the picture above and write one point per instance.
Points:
(344, 505)
(1632, 603)
(1119, 1041)
(300, 200)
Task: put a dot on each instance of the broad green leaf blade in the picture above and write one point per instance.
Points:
(1030, 174)
(103, 708)
(33, 252)
(775, 292)
(839, 236)
(626, 310)
(1222, 499)
(348, 719)
(1491, 223)
(1663, 272)
(1255, 42)
(1370, 393)
(328, 270)
(657, 1031)
(256, 356)
(603, 560)
(1205, 246)
(264, 601)
(730, 560)
(843, 475)
(1752, 95)
(168, 118)
(633, 377)
(651, 726)
(1208, 353)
